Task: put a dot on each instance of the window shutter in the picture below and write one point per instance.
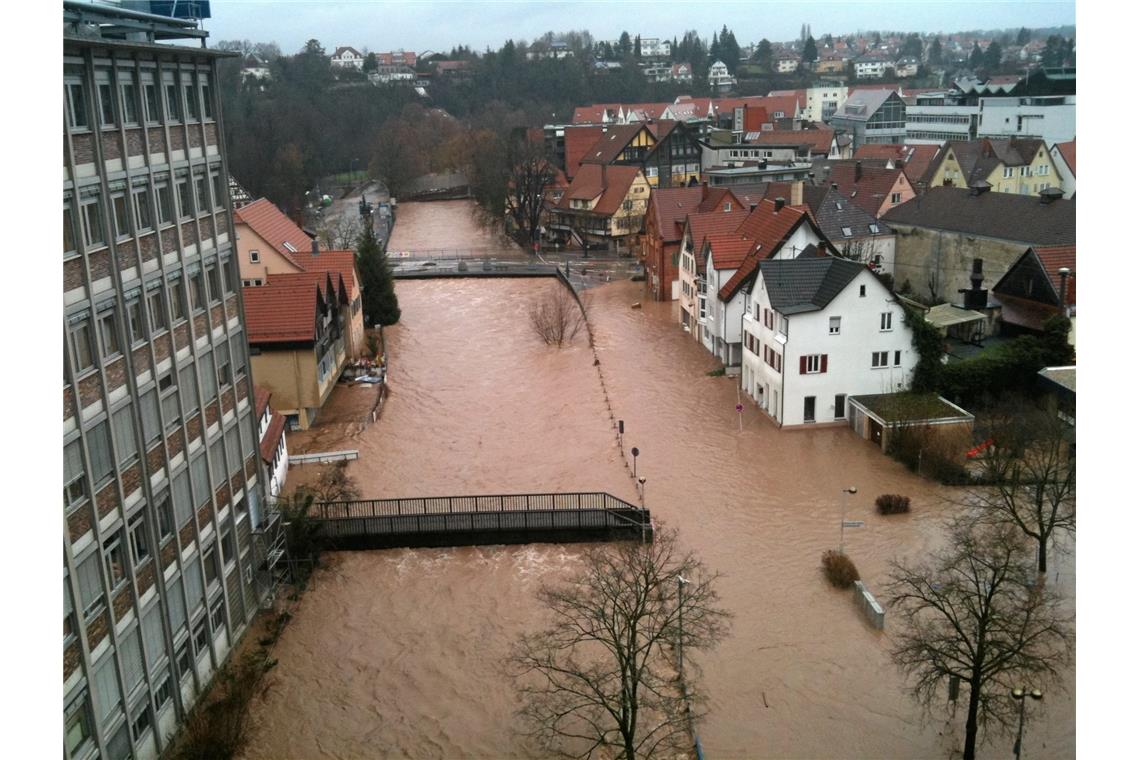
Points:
(823, 363)
(803, 365)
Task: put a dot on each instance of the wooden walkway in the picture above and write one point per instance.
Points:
(473, 520)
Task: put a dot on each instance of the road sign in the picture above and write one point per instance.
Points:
(852, 523)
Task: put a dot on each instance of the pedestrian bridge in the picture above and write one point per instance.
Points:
(474, 520)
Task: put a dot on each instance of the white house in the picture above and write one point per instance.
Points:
(719, 78)
(348, 57)
(787, 63)
(817, 331)
(772, 230)
(1065, 159)
(871, 67)
(273, 451)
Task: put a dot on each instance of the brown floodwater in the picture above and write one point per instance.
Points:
(400, 653)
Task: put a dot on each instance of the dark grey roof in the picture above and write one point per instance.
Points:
(833, 211)
(1005, 216)
(799, 285)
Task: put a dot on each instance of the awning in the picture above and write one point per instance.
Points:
(948, 315)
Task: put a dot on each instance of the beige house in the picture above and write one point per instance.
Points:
(295, 325)
(604, 205)
(1023, 167)
(270, 243)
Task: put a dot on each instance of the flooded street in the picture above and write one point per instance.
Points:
(400, 653)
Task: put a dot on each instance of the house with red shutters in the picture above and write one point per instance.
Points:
(818, 330)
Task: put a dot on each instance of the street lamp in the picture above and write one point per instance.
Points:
(843, 520)
(681, 583)
(1020, 694)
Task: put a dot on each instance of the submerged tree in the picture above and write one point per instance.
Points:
(378, 287)
(556, 316)
(600, 680)
(971, 615)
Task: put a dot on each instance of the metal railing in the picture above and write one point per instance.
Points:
(439, 505)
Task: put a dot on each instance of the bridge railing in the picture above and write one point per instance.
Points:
(435, 505)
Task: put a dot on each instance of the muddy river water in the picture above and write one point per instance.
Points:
(400, 653)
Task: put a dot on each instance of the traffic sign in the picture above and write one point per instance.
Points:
(852, 523)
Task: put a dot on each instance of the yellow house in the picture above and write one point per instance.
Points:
(295, 324)
(269, 243)
(604, 205)
(667, 151)
(1019, 166)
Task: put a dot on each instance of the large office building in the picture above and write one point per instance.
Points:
(167, 541)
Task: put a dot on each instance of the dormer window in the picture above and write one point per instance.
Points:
(846, 232)
(874, 228)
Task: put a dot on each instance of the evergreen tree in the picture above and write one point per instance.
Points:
(934, 53)
(976, 57)
(378, 296)
(913, 46)
(625, 45)
(729, 49)
(370, 63)
(637, 46)
(763, 55)
(809, 52)
(714, 49)
(1022, 37)
(992, 56)
(878, 39)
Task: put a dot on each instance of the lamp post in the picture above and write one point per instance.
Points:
(1020, 694)
(635, 452)
(681, 582)
(843, 521)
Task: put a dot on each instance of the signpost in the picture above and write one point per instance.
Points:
(845, 523)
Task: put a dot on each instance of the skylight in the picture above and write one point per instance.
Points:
(289, 247)
(846, 232)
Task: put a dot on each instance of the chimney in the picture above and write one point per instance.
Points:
(704, 190)
(858, 170)
(1050, 194)
(751, 207)
(834, 186)
(975, 297)
(316, 247)
(797, 193)
(779, 205)
(979, 187)
(604, 185)
(1064, 272)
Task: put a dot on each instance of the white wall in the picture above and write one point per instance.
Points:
(849, 353)
(1068, 181)
(999, 117)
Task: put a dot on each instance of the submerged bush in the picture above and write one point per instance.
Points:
(839, 569)
(892, 504)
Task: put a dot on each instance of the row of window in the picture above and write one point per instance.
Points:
(98, 340)
(1025, 171)
(141, 208)
(132, 100)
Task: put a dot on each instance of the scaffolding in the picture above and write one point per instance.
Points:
(270, 555)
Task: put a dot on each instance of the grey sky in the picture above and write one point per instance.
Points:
(421, 25)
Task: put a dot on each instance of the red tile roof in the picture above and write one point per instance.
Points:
(593, 114)
(880, 151)
(1068, 151)
(276, 229)
(1052, 258)
(272, 437)
(260, 400)
(588, 184)
(716, 199)
(578, 140)
(768, 229)
(284, 310)
(728, 249)
(670, 207)
(609, 146)
(920, 159)
(701, 226)
(872, 188)
(335, 262)
(818, 140)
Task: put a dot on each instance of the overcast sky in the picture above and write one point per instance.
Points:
(420, 25)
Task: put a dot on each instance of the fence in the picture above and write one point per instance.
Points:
(324, 457)
(872, 610)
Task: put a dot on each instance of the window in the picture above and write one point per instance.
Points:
(896, 198)
(182, 660)
(170, 410)
(898, 358)
(150, 102)
(77, 725)
(191, 97)
(227, 270)
(846, 232)
(130, 105)
(140, 199)
(172, 109)
(219, 198)
(1007, 172)
(74, 475)
(1026, 171)
(203, 190)
(115, 562)
(218, 614)
(68, 230)
(185, 199)
(156, 310)
(106, 104)
(140, 720)
(136, 532)
(813, 364)
(99, 449)
(165, 205)
(177, 300)
(148, 408)
(223, 360)
(207, 102)
(136, 325)
(83, 344)
(209, 376)
(254, 257)
(123, 431)
(131, 657)
(76, 105)
(229, 554)
(833, 326)
(162, 692)
(165, 518)
(862, 291)
(122, 223)
(108, 323)
(885, 321)
(874, 228)
(210, 560)
(92, 217)
(213, 283)
(90, 585)
(197, 292)
(201, 636)
(878, 359)
(189, 389)
(200, 477)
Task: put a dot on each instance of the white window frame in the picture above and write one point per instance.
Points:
(879, 359)
(833, 325)
(812, 365)
(885, 319)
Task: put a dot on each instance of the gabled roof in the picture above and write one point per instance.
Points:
(871, 189)
(817, 140)
(276, 229)
(795, 286)
(1041, 261)
(978, 158)
(260, 400)
(769, 230)
(1068, 151)
(346, 49)
(880, 151)
(272, 437)
(921, 161)
(284, 310)
(334, 262)
(578, 140)
(861, 105)
(1005, 216)
(1052, 258)
(609, 146)
(588, 184)
(728, 249)
(670, 207)
(702, 226)
(833, 212)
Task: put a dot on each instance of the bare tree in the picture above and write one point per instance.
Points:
(972, 614)
(600, 681)
(530, 176)
(556, 316)
(1032, 477)
(334, 484)
(340, 232)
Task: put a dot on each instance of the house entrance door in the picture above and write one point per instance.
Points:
(809, 409)
(876, 431)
